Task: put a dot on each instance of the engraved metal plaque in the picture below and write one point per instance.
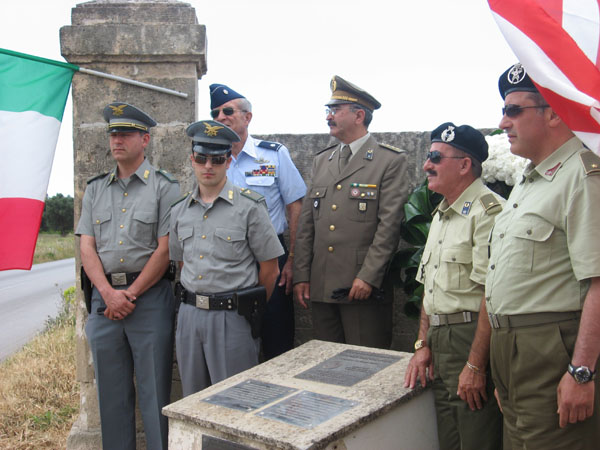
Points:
(307, 409)
(249, 395)
(213, 443)
(348, 367)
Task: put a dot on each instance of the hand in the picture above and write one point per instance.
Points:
(286, 276)
(471, 388)
(575, 401)
(119, 304)
(302, 293)
(360, 290)
(419, 366)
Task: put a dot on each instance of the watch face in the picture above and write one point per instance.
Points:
(582, 374)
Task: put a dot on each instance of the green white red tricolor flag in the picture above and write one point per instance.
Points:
(33, 93)
(558, 43)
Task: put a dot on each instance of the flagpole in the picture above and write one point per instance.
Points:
(93, 72)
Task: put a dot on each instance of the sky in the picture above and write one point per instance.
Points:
(426, 61)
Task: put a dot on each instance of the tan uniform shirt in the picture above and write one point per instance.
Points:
(545, 241)
(455, 257)
(350, 221)
(220, 243)
(127, 216)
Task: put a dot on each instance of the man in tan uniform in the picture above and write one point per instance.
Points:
(543, 282)
(349, 225)
(453, 270)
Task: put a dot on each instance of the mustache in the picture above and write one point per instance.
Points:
(331, 123)
(430, 172)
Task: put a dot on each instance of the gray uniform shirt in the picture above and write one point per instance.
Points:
(126, 217)
(220, 243)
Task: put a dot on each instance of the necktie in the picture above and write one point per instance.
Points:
(345, 154)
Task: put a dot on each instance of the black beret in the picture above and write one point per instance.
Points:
(515, 79)
(464, 137)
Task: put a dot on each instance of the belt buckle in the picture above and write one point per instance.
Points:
(467, 318)
(434, 320)
(494, 322)
(118, 279)
(202, 302)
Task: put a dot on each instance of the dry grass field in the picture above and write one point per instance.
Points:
(53, 247)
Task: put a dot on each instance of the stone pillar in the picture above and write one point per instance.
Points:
(157, 42)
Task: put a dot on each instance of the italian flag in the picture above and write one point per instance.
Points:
(33, 93)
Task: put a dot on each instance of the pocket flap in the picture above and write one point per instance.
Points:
(184, 232)
(533, 230)
(145, 216)
(102, 216)
(317, 192)
(457, 255)
(260, 181)
(230, 234)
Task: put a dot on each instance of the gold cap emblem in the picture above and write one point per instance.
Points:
(117, 110)
(211, 130)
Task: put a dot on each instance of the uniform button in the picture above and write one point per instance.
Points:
(199, 277)
(493, 266)
(440, 241)
(317, 193)
(334, 207)
(332, 227)
(201, 256)
(339, 187)
(435, 266)
(205, 216)
(528, 231)
(125, 194)
(330, 249)
(124, 210)
(122, 260)
(453, 258)
(501, 235)
(431, 291)
(121, 226)
(515, 205)
(228, 238)
(97, 221)
(203, 236)
(120, 242)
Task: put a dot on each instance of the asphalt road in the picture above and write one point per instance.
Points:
(28, 298)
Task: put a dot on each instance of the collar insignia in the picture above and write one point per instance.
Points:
(369, 154)
(230, 194)
(146, 173)
(466, 208)
(551, 171)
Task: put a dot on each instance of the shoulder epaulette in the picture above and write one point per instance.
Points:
(590, 161)
(490, 204)
(252, 195)
(326, 148)
(167, 175)
(97, 177)
(270, 145)
(391, 147)
(181, 199)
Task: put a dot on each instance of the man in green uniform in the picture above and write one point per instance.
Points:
(453, 269)
(228, 247)
(124, 229)
(349, 225)
(543, 282)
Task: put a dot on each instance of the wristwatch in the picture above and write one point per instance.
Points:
(420, 343)
(582, 374)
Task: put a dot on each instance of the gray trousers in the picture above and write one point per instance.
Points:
(140, 343)
(212, 346)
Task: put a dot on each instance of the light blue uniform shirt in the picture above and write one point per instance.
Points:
(268, 170)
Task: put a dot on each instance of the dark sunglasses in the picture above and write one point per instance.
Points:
(515, 110)
(228, 111)
(436, 157)
(214, 160)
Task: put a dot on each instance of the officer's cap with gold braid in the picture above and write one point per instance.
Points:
(464, 137)
(210, 137)
(124, 117)
(343, 91)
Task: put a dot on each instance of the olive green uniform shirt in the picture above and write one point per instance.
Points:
(544, 245)
(455, 258)
(126, 217)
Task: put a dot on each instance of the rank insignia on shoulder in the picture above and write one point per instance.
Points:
(490, 204)
(270, 145)
(96, 177)
(391, 147)
(165, 174)
(466, 208)
(591, 162)
(252, 195)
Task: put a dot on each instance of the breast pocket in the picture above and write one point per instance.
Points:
(102, 222)
(260, 181)
(230, 243)
(316, 196)
(532, 249)
(455, 268)
(144, 226)
(184, 236)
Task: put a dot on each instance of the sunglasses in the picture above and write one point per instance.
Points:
(515, 110)
(228, 111)
(436, 157)
(214, 160)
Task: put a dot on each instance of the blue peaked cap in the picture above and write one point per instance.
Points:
(219, 94)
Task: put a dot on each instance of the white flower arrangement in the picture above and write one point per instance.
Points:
(501, 164)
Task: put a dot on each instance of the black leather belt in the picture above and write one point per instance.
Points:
(524, 320)
(122, 278)
(221, 301)
(437, 320)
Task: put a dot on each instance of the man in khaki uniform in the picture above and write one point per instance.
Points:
(543, 282)
(453, 270)
(349, 225)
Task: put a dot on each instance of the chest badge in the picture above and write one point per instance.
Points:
(261, 161)
(362, 206)
(316, 203)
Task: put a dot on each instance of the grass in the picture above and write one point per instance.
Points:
(53, 247)
(39, 397)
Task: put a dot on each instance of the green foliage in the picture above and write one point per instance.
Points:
(414, 230)
(66, 312)
(58, 214)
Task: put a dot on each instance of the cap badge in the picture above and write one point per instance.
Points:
(225, 91)
(117, 110)
(448, 134)
(333, 84)
(211, 130)
(516, 74)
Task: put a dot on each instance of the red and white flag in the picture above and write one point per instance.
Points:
(558, 43)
